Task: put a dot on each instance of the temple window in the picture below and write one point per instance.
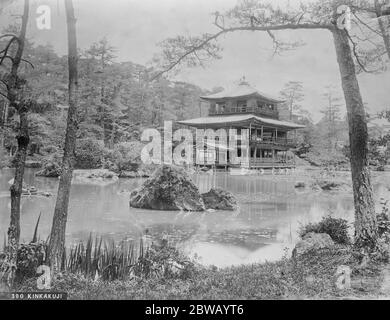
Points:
(241, 105)
(221, 107)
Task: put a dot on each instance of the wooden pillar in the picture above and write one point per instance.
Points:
(262, 131)
(255, 155)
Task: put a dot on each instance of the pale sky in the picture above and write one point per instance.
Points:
(134, 27)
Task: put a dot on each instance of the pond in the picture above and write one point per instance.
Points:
(263, 228)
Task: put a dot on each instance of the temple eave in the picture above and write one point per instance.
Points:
(238, 120)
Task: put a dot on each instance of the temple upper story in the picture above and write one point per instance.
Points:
(243, 99)
(242, 106)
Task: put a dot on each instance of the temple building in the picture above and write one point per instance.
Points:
(244, 107)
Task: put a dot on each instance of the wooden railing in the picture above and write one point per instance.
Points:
(274, 140)
(269, 161)
(254, 110)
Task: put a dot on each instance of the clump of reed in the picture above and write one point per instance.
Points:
(103, 258)
(127, 260)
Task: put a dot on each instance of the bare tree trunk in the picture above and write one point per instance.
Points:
(16, 188)
(365, 217)
(15, 95)
(57, 236)
(384, 25)
(3, 122)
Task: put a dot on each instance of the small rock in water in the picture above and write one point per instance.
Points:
(50, 169)
(128, 174)
(331, 185)
(300, 184)
(134, 174)
(219, 199)
(102, 174)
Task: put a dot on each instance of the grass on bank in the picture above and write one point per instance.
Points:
(96, 270)
(312, 275)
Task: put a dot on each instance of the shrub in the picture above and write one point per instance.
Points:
(163, 260)
(30, 257)
(89, 154)
(51, 166)
(336, 228)
(126, 156)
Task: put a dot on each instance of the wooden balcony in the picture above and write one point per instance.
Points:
(259, 163)
(254, 110)
(285, 142)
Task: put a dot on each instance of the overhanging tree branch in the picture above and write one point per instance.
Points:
(356, 55)
(209, 38)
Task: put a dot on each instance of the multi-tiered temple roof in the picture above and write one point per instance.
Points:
(240, 106)
(242, 90)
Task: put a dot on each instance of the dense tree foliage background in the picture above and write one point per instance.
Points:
(119, 100)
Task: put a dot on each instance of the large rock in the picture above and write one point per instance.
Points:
(219, 199)
(312, 241)
(169, 188)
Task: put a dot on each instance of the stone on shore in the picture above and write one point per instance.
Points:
(219, 199)
(312, 241)
(169, 188)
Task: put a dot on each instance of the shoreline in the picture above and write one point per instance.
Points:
(312, 276)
